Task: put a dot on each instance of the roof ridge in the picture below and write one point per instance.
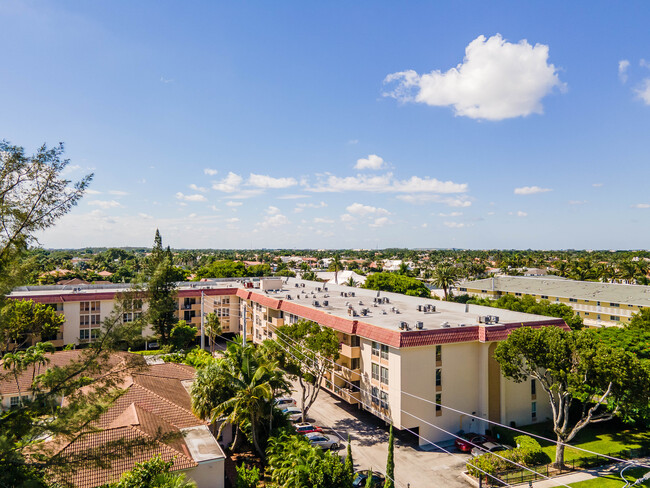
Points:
(164, 445)
(171, 403)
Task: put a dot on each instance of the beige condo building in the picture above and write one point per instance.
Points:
(404, 359)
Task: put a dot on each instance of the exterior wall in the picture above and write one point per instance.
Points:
(517, 403)
(208, 474)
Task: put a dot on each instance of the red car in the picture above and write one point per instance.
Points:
(306, 428)
(471, 440)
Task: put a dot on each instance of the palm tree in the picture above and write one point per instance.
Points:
(336, 263)
(445, 276)
(212, 328)
(350, 282)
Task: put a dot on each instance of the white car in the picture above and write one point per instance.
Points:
(285, 402)
(293, 413)
(323, 441)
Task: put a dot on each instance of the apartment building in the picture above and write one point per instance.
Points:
(599, 304)
(399, 355)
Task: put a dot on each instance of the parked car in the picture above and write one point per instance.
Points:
(361, 479)
(306, 428)
(293, 413)
(323, 441)
(470, 440)
(489, 447)
(285, 402)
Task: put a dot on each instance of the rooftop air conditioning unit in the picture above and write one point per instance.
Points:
(383, 312)
(318, 288)
(296, 285)
(288, 297)
(364, 312)
(324, 288)
(419, 308)
(403, 325)
(351, 293)
(360, 302)
(494, 318)
(419, 325)
(483, 319)
(432, 308)
(386, 300)
(397, 310)
(325, 303)
(315, 303)
(446, 325)
(302, 284)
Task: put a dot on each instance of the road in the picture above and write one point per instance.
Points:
(414, 467)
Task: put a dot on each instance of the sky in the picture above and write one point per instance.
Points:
(363, 124)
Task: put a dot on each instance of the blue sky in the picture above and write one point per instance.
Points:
(338, 124)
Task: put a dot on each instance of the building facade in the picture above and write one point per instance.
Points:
(599, 304)
(407, 360)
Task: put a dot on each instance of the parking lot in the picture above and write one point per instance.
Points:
(414, 467)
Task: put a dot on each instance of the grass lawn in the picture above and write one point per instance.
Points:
(604, 438)
(613, 480)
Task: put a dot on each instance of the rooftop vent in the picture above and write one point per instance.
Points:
(446, 325)
(419, 325)
(325, 303)
(315, 303)
(289, 297)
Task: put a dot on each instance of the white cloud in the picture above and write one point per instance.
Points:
(272, 210)
(276, 220)
(353, 141)
(387, 184)
(347, 218)
(641, 205)
(145, 216)
(233, 204)
(118, 193)
(518, 213)
(643, 92)
(105, 204)
(623, 65)
(210, 171)
(455, 225)
(201, 189)
(265, 181)
(311, 205)
(460, 201)
(292, 197)
(93, 192)
(530, 190)
(451, 214)
(577, 202)
(496, 80)
(379, 222)
(597, 185)
(191, 198)
(363, 210)
(321, 220)
(232, 220)
(371, 162)
(229, 184)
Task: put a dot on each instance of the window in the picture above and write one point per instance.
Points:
(463, 289)
(375, 371)
(598, 316)
(384, 351)
(84, 307)
(94, 306)
(84, 334)
(384, 375)
(14, 401)
(355, 341)
(95, 320)
(375, 348)
(533, 410)
(533, 387)
(84, 320)
(383, 399)
(586, 313)
(544, 297)
(439, 403)
(483, 291)
(614, 305)
(374, 395)
(573, 300)
(616, 318)
(94, 333)
(225, 300)
(438, 353)
(517, 294)
(355, 363)
(439, 377)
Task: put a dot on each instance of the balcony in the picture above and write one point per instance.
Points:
(352, 397)
(350, 351)
(276, 322)
(347, 374)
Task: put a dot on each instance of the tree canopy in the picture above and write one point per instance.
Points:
(398, 284)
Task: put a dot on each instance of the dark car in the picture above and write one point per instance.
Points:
(470, 440)
(361, 478)
(490, 447)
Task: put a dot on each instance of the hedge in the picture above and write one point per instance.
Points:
(527, 453)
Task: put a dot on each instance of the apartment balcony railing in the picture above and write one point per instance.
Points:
(351, 352)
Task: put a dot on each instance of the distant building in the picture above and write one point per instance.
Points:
(598, 304)
(341, 278)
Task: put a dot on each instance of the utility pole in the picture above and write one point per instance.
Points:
(244, 312)
(202, 323)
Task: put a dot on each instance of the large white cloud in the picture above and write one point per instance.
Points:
(264, 181)
(643, 91)
(496, 80)
(371, 162)
(197, 197)
(387, 184)
(105, 204)
(531, 190)
(623, 65)
(229, 184)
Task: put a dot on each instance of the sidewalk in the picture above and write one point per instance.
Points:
(584, 475)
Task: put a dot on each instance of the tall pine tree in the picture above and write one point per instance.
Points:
(163, 302)
(390, 462)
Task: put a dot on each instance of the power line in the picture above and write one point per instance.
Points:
(613, 458)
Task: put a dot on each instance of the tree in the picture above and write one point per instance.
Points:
(350, 282)
(336, 263)
(212, 328)
(294, 463)
(24, 320)
(349, 462)
(33, 196)
(307, 350)
(247, 477)
(444, 276)
(161, 289)
(390, 462)
(397, 284)
(182, 335)
(153, 474)
(574, 368)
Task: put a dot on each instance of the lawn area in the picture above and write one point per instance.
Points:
(604, 438)
(613, 480)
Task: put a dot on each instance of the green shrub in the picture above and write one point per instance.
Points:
(527, 453)
(247, 477)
